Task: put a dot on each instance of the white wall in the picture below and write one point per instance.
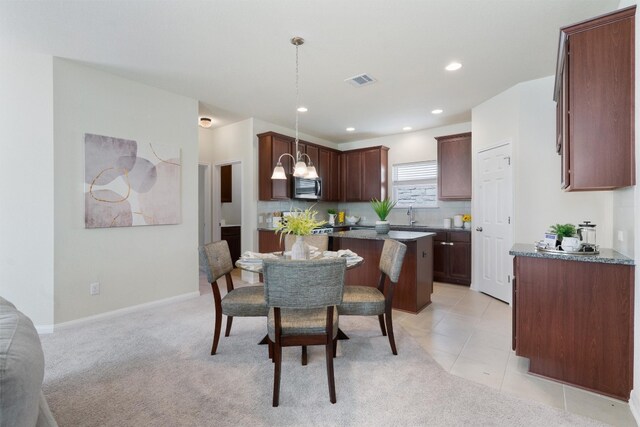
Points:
(26, 183)
(134, 265)
(525, 115)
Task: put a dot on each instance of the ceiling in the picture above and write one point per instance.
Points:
(234, 56)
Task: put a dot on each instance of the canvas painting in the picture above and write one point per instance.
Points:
(130, 183)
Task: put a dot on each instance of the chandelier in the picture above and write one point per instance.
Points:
(301, 169)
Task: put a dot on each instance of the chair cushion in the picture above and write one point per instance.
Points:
(361, 301)
(301, 322)
(247, 301)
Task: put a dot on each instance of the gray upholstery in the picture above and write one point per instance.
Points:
(303, 290)
(21, 371)
(217, 258)
(367, 300)
(362, 301)
(320, 241)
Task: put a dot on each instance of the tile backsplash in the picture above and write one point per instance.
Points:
(423, 216)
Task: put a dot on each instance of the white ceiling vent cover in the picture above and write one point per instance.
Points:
(361, 80)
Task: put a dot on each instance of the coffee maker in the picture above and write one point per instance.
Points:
(587, 234)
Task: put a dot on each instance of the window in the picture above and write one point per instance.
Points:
(416, 184)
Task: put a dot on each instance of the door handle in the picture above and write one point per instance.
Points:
(478, 228)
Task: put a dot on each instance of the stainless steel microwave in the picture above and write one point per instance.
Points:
(309, 189)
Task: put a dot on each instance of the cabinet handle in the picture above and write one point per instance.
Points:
(478, 228)
(444, 243)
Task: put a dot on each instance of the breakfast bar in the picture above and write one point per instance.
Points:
(415, 285)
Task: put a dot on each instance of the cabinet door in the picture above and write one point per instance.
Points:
(233, 237)
(600, 73)
(372, 174)
(335, 177)
(460, 262)
(351, 168)
(454, 167)
(269, 241)
(226, 184)
(440, 261)
(281, 189)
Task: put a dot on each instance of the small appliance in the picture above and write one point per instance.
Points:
(587, 233)
(308, 189)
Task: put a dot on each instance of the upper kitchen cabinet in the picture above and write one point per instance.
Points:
(364, 174)
(270, 147)
(594, 91)
(454, 167)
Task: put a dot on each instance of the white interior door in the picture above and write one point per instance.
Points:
(494, 221)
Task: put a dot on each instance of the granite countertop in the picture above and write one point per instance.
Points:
(401, 236)
(606, 256)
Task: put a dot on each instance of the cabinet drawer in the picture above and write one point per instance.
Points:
(441, 236)
(459, 236)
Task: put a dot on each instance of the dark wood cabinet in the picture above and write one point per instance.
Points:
(226, 184)
(454, 167)
(364, 174)
(270, 147)
(574, 321)
(595, 94)
(233, 236)
(269, 241)
(452, 257)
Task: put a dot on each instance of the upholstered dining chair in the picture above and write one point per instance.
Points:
(246, 301)
(320, 241)
(302, 297)
(370, 301)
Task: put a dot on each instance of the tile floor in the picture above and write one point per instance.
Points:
(469, 335)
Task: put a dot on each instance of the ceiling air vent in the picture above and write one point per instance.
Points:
(361, 80)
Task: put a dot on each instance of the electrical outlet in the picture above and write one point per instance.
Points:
(94, 288)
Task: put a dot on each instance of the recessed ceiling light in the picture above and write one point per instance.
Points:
(436, 111)
(205, 122)
(303, 109)
(350, 129)
(453, 66)
(406, 128)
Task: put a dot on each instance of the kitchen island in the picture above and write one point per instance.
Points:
(573, 317)
(415, 285)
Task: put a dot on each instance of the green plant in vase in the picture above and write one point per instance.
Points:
(382, 208)
(563, 230)
(332, 216)
(299, 223)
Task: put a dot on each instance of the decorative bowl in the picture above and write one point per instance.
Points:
(352, 220)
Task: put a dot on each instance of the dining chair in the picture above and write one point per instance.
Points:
(320, 241)
(246, 301)
(370, 301)
(302, 297)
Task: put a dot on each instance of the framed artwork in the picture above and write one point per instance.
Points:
(129, 183)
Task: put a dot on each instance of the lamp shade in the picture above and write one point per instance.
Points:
(278, 172)
(300, 169)
(311, 172)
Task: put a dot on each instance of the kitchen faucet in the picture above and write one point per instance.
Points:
(411, 217)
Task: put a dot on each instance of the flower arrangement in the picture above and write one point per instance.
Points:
(466, 218)
(300, 223)
(382, 207)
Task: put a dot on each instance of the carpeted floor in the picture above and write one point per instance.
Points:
(153, 368)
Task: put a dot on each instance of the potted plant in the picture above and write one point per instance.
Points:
(332, 216)
(300, 223)
(382, 208)
(563, 230)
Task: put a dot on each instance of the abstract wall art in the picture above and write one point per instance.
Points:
(129, 183)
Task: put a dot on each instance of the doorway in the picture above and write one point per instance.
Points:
(228, 205)
(204, 204)
(494, 221)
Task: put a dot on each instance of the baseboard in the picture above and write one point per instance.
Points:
(44, 329)
(634, 405)
(119, 312)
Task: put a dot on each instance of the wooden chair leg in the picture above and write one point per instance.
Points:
(218, 324)
(335, 347)
(228, 330)
(332, 384)
(381, 320)
(304, 355)
(277, 356)
(270, 345)
(392, 341)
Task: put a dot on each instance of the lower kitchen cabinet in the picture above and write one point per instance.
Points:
(452, 257)
(233, 236)
(269, 241)
(574, 321)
